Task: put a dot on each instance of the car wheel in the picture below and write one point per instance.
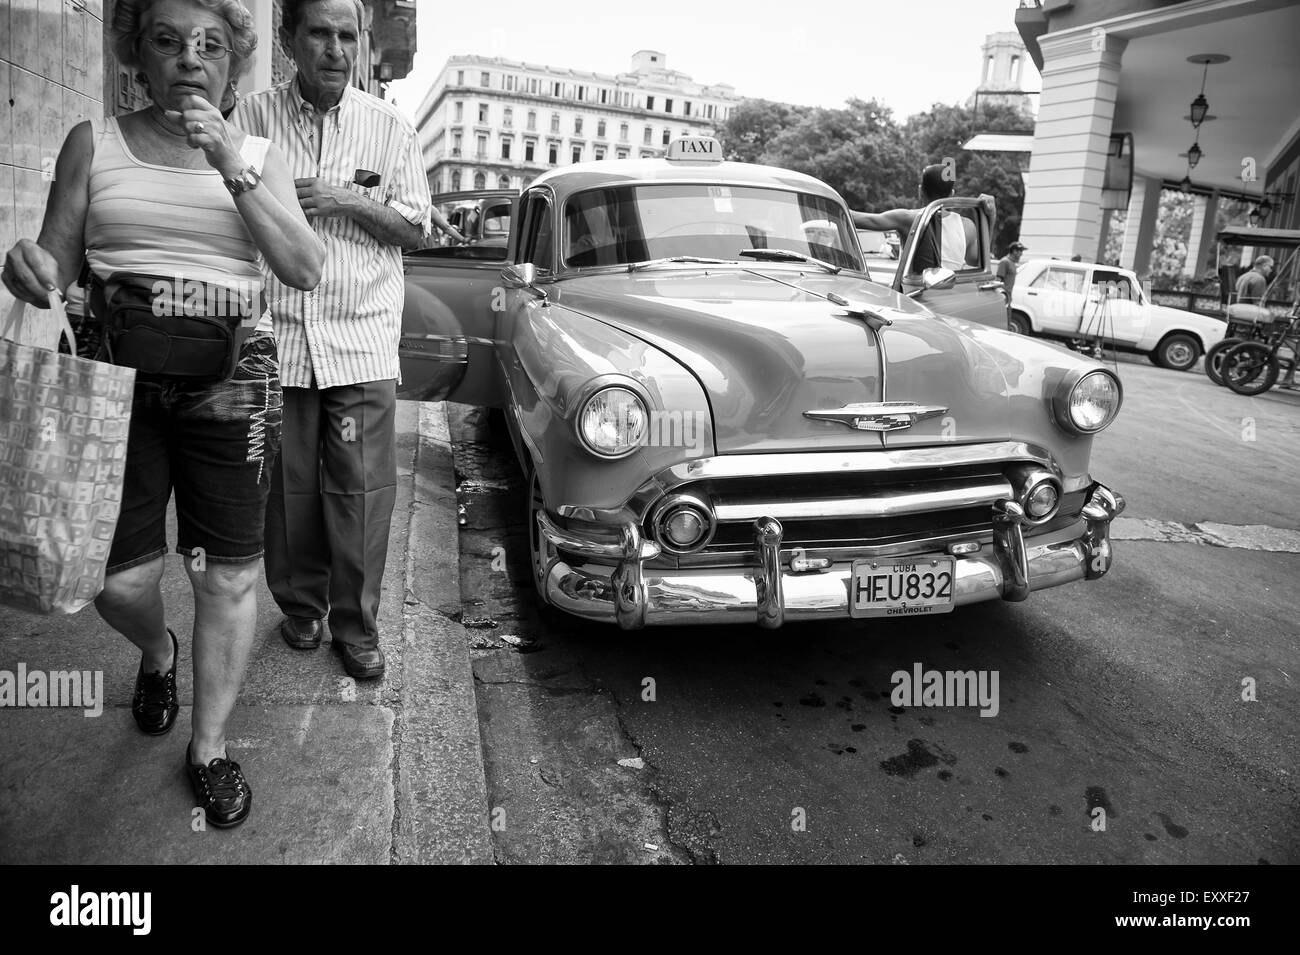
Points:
(1178, 352)
(540, 556)
(1250, 368)
(1018, 322)
(1214, 358)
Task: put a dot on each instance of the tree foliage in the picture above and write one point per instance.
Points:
(875, 162)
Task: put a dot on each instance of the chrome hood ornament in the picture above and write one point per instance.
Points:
(878, 415)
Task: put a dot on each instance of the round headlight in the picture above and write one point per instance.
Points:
(1094, 401)
(613, 422)
(1042, 501)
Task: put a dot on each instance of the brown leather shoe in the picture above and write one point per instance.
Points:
(362, 663)
(301, 633)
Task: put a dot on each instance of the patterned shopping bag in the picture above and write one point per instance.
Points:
(64, 422)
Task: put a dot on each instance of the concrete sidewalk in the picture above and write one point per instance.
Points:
(389, 771)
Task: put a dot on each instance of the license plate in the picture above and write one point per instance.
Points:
(914, 586)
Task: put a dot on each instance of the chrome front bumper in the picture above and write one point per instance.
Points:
(770, 593)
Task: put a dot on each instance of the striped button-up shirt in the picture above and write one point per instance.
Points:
(347, 329)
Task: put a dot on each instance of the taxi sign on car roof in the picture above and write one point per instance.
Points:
(694, 149)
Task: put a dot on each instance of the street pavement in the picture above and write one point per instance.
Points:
(508, 733)
(1120, 700)
(342, 771)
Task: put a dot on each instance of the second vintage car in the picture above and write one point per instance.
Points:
(1081, 302)
(722, 419)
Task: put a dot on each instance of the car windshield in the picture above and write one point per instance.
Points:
(626, 224)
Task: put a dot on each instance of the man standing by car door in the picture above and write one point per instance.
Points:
(362, 185)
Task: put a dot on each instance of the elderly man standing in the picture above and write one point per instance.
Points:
(362, 185)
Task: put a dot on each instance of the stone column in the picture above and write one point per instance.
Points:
(1140, 225)
(1071, 140)
(1204, 217)
(259, 76)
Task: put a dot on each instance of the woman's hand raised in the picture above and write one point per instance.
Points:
(206, 130)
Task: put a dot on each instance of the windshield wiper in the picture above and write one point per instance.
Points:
(695, 259)
(785, 255)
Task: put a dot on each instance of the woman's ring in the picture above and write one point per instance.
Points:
(198, 127)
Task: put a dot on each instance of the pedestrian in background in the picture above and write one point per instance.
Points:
(1253, 285)
(361, 182)
(173, 190)
(1007, 266)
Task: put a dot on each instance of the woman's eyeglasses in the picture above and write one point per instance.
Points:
(172, 45)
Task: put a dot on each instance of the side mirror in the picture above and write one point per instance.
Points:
(524, 276)
(938, 278)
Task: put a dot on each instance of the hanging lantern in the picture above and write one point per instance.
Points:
(1200, 107)
(1194, 155)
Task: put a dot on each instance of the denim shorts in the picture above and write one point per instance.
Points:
(215, 445)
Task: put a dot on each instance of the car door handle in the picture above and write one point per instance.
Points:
(990, 286)
(1030, 292)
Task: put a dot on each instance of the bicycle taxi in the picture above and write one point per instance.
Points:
(1266, 320)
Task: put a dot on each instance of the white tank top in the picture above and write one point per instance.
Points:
(952, 248)
(162, 220)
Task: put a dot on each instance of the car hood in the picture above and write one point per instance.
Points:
(765, 353)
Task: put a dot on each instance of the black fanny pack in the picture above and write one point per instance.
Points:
(172, 327)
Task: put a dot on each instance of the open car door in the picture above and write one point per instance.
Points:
(976, 295)
(454, 298)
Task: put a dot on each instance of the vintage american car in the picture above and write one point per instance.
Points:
(1077, 301)
(723, 420)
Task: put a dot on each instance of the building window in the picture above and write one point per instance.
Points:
(686, 108)
(582, 92)
(510, 82)
(600, 129)
(480, 181)
(577, 154)
(604, 97)
(668, 106)
(533, 85)
(482, 112)
(460, 77)
(485, 79)
(555, 122)
(530, 149)
(649, 135)
(600, 152)
(455, 181)
(505, 149)
(622, 132)
(668, 136)
(622, 154)
(508, 117)
(708, 111)
(455, 144)
(460, 112)
(577, 125)
(649, 102)
(482, 147)
(556, 89)
(532, 119)
(553, 153)
(1015, 66)
(503, 182)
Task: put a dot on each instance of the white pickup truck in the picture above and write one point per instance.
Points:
(1082, 301)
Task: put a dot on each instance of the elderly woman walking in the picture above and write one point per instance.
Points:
(173, 190)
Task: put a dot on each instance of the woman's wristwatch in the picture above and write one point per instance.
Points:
(245, 180)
